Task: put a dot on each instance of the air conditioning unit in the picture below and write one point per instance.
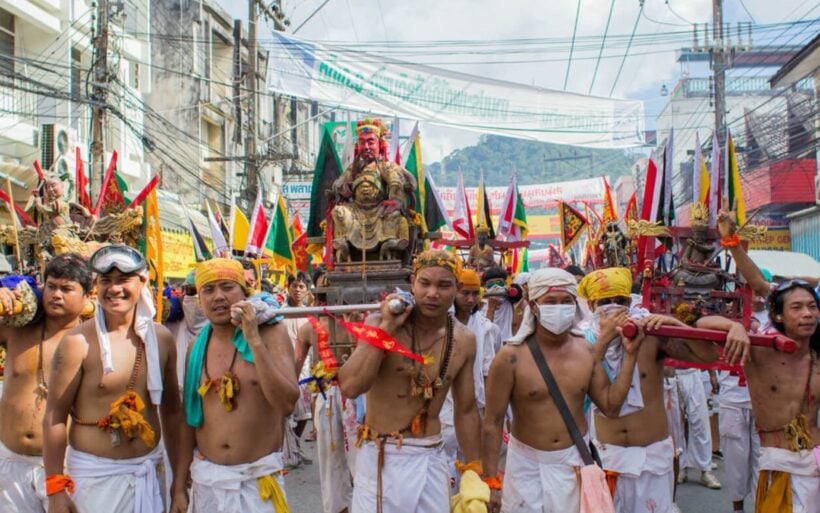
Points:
(57, 155)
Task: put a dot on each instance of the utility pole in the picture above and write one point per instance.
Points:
(251, 168)
(719, 69)
(99, 96)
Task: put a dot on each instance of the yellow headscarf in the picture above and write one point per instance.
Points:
(606, 283)
(470, 279)
(437, 258)
(218, 269)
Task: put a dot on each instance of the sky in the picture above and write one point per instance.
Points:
(643, 74)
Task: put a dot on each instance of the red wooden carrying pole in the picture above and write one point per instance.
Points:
(779, 342)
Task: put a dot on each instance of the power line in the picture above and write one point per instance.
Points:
(621, 67)
(603, 42)
(572, 45)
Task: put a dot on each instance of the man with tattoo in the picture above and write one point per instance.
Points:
(115, 375)
(401, 465)
(28, 360)
(635, 446)
(541, 457)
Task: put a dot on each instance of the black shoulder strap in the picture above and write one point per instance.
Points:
(555, 392)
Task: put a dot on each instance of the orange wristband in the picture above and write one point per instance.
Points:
(58, 483)
(493, 482)
(474, 465)
(732, 241)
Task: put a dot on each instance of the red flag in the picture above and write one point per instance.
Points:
(299, 246)
(24, 218)
(39, 171)
(144, 192)
(258, 231)
(110, 194)
(631, 213)
(650, 204)
(81, 180)
(609, 213)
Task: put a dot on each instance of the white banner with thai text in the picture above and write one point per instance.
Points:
(360, 81)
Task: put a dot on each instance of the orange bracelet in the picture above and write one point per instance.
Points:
(57, 483)
(732, 241)
(474, 465)
(493, 482)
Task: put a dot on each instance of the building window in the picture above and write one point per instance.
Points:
(6, 42)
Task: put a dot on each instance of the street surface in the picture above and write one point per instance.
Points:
(304, 495)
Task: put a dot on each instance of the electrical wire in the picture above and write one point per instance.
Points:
(626, 52)
(749, 14)
(678, 16)
(603, 42)
(572, 44)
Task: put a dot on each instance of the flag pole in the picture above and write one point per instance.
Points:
(14, 226)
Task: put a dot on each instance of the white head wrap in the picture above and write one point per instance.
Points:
(542, 282)
(144, 327)
(522, 279)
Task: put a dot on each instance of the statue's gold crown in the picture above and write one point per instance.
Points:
(371, 125)
(698, 213)
(482, 228)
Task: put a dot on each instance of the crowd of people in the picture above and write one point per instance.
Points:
(479, 392)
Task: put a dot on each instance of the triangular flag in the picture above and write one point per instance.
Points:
(513, 220)
(483, 208)
(435, 214)
(462, 219)
(609, 212)
(259, 227)
(221, 247)
(110, 194)
(734, 191)
(651, 202)
(239, 228)
(81, 180)
(394, 151)
(328, 169)
(153, 247)
(571, 223)
(715, 194)
(279, 242)
(414, 165)
(667, 204)
(200, 248)
(300, 254)
(631, 212)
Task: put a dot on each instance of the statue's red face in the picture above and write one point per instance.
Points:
(368, 144)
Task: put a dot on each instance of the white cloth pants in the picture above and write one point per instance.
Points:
(541, 481)
(22, 483)
(414, 478)
(804, 470)
(232, 488)
(335, 470)
(740, 445)
(697, 452)
(125, 486)
(645, 476)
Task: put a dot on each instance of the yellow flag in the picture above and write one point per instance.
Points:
(704, 183)
(239, 229)
(153, 247)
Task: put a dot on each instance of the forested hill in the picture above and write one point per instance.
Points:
(535, 162)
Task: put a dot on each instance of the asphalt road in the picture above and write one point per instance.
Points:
(304, 495)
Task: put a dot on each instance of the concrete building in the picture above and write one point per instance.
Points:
(45, 57)
(195, 106)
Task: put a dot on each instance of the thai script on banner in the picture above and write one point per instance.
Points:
(371, 83)
(297, 190)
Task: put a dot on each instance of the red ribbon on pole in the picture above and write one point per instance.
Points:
(323, 344)
(144, 192)
(379, 338)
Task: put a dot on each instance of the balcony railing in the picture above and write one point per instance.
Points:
(16, 103)
(758, 86)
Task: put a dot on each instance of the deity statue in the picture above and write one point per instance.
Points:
(373, 200)
(481, 254)
(614, 246)
(52, 209)
(696, 274)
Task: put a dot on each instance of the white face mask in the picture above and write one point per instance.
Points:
(556, 318)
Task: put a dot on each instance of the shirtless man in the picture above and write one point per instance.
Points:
(541, 457)
(113, 370)
(402, 427)
(783, 388)
(487, 337)
(636, 445)
(28, 360)
(335, 418)
(240, 384)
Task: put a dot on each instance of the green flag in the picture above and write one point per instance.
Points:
(278, 244)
